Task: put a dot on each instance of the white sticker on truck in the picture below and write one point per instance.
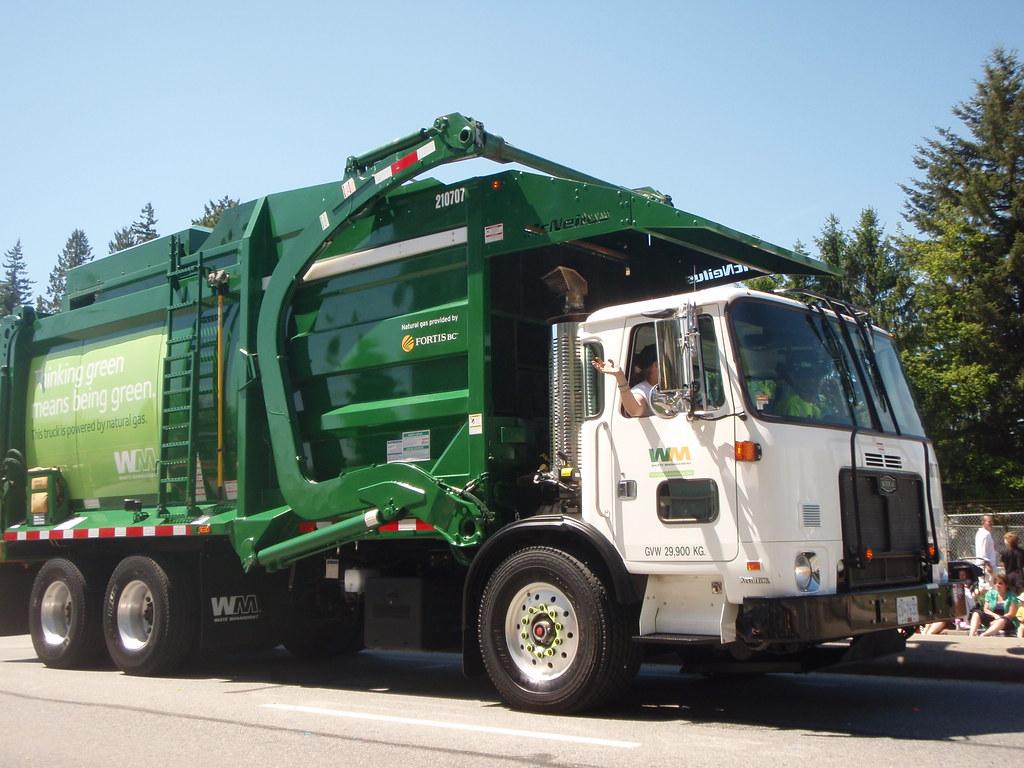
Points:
(906, 610)
(494, 233)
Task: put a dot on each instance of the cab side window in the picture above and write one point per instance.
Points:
(640, 376)
(712, 384)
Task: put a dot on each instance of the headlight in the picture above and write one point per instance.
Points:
(806, 572)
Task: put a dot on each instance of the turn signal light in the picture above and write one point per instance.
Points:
(753, 565)
(869, 554)
(931, 552)
(748, 451)
(495, 184)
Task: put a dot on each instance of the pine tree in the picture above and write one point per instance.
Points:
(16, 288)
(142, 230)
(213, 210)
(76, 251)
(122, 239)
(967, 360)
(878, 272)
(144, 227)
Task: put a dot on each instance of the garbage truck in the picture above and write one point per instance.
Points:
(366, 414)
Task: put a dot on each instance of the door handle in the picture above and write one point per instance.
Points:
(598, 475)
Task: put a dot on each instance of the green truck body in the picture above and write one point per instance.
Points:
(342, 383)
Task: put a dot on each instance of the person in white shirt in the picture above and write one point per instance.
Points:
(636, 400)
(985, 546)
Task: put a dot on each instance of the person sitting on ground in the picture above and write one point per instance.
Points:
(999, 611)
(636, 396)
(959, 621)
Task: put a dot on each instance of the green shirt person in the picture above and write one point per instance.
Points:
(793, 405)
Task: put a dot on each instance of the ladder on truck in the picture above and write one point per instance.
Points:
(186, 377)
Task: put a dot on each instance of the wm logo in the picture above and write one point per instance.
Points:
(675, 455)
(235, 608)
(136, 461)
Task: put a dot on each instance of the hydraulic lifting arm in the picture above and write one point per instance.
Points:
(382, 492)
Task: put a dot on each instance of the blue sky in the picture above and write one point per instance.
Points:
(766, 117)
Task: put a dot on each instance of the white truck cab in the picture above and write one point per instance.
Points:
(736, 496)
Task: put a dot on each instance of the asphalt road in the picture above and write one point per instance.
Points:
(417, 710)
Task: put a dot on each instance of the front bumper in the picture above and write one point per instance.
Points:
(821, 618)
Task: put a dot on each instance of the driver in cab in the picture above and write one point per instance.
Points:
(636, 397)
(797, 395)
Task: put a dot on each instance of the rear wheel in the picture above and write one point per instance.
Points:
(551, 638)
(149, 616)
(64, 615)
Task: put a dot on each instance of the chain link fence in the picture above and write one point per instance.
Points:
(964, 518)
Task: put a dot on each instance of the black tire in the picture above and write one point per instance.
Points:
(149, 616)
(64, 615)
(578, 651)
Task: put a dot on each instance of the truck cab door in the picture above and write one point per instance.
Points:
(673, 484)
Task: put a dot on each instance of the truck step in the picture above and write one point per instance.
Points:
(670, 639)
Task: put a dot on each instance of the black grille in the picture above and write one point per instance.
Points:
(892, 526)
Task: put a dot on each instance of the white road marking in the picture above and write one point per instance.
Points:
(516, 733)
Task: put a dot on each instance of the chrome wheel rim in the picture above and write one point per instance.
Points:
(56, 614)
(135, 615)
(541, 631)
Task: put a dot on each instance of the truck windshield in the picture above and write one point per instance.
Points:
(797, 366)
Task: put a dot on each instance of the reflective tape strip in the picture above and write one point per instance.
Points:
(408, 524)
(99, 533)
(349, 262)
(404, 162)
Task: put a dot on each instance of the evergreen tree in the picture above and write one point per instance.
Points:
(16, 288)
(213, 210)
(967, 356)
(122, 239)
(76, 251)
(142, 230)
(879, 273)
(873, 274)
(144, 227)
(833, 249)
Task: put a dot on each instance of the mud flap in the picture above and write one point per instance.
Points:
(15, 586)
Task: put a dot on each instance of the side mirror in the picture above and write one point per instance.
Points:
(678, 343)
(674, 366)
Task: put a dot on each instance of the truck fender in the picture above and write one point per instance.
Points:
(568, 534)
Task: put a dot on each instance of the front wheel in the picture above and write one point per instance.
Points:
(149, 616)
(551, 638)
